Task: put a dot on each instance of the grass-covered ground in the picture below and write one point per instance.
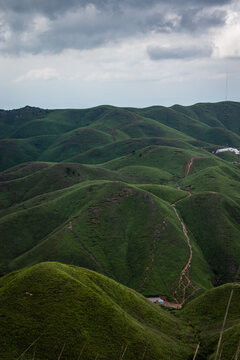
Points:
(58, 308)
(51, 311)
(94, 219)
(206, 313)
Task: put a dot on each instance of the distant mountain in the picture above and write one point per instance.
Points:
(33, 134)
(135, 194)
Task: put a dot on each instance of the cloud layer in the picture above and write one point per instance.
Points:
(33, 26)
(80, 53)
(184, 52)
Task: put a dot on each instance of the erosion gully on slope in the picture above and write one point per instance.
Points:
(190, 164)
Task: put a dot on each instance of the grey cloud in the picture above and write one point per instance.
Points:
(196, 19)
(81, 24)
(56, 6)
(163, 53)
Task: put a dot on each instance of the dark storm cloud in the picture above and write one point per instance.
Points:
(81, 24)
(163, 53)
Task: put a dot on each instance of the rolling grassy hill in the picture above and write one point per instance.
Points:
(57, 308)
(136, 194)
(91, 224)
(51, 310)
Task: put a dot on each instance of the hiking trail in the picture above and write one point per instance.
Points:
(185, 288)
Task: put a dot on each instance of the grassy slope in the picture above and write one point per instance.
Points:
(14, 119)
(166, 193)
(125, 147)
(215, 175)
(60, 305)
(214, 123)
(22, 170)
(225, 114)
(64, 134)
(75, 142)
(101, 217)
(40, 180)
(206, 314)
(177, 120)
(169, 159)
(17, 151)
(214, 221)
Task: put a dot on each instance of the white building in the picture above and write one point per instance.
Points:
(234, 150)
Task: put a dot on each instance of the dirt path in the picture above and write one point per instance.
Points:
(70, 228)
(188, 166)
(187, 196)
(184, 288)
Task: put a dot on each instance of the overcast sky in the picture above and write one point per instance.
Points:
(80, 53)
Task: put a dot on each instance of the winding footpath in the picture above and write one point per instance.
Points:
(184, 288)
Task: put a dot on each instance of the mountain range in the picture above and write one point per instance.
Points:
(139, 196)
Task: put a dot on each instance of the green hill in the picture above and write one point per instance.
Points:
(91, 225)
(52, 308)
(211, 216)
(206, 314)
